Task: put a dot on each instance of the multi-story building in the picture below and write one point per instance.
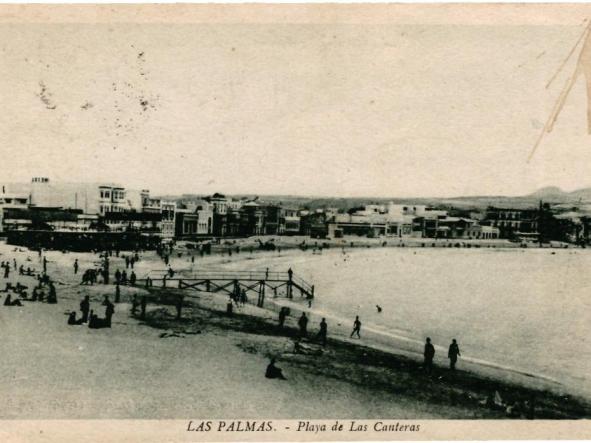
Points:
(143, 222)
(194, 218)
(274, 220)
(168, 225)
(252, 219)
(292, 221)
(513, 223)
(314, 224)
(11, 201)
(91, 198)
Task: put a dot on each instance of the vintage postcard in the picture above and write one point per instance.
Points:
(295, 222)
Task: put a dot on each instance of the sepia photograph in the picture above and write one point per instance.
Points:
(295, 222)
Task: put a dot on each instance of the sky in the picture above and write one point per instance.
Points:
(327, 109)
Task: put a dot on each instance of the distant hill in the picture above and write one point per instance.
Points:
(551, 194)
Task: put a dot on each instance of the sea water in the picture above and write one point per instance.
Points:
(528, 310)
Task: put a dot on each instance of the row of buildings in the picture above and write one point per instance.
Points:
(98, 207)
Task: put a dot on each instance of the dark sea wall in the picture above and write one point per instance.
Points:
(82, 241)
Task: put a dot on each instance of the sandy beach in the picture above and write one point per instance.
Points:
(200, 365)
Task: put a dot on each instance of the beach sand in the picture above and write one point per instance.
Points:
(210, 366)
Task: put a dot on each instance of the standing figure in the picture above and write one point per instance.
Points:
(52, 296)
(85, 308)
(134, 305)
(109, 311)
(282, 315)
(429, 353)
(76, 266)
(356, 327)
(453, 354)
(179, 307)
(303, 324)
(323, 332)
(143, 304)
(117, 293)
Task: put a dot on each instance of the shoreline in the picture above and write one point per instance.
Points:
(364, 365)
(376, 335)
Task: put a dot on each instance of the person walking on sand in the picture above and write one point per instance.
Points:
(356, 327)
(453, 354)
(303, 324)
(323, 332)
(75, 266)
(429, 353)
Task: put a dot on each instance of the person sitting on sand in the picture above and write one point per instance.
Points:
(273, 371)
(93, 322)
(72, 318)
(52, 296)
(9, 302)
(35, 294)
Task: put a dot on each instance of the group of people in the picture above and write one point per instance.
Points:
(91, 275)
(88, 315)
(16, 294)
(321, 336)
(429, 354)
(121, 278)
